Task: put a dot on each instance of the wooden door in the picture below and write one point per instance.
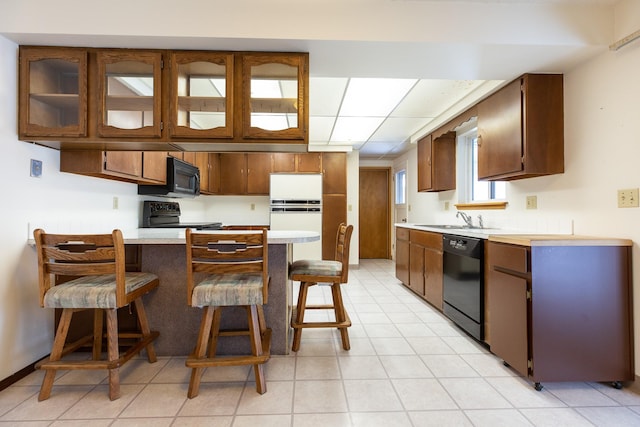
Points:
(374, 217)
(154, 165)
(334, 173)
(125, 162)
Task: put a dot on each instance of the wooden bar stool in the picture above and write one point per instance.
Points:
(231, 270)
(89, 273)
(331, 272)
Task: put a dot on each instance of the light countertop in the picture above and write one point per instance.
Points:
(176, 236)
(518, 237)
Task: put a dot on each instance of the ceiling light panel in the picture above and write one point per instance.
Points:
(327, 94)
(374, 97)
(354, 129)
(429, 98)
(320, 128)
(396, 129)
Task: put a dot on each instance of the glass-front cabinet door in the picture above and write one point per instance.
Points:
(53, 92)
(201, 95)
(275, 96)
(129, 84)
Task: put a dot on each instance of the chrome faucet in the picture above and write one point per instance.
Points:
(480, 221)
(466, 217)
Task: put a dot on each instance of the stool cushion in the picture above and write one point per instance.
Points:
(93, 291)
(228, 289)
(325, 268)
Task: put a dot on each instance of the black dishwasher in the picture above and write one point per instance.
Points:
(463, 295)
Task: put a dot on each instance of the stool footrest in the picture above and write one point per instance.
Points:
(194, 362)
(98, 364)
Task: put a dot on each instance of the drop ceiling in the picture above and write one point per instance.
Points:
(382, 72)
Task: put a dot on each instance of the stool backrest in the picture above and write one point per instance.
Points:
(67, 256)
(343, 242)
(227, 253)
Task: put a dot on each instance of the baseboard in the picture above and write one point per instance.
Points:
(17, 376)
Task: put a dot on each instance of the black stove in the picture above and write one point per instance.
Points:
(167, 215)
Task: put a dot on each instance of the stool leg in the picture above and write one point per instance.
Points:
(201, 349)
(302, 302)
(56, 353)
(113, 353)
(215, 332)
(256, 347)
(144, 328)
(97, 333)
(338, 305)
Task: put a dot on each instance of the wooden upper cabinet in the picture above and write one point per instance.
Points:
(334, 173)
(53, 92)
(129, 93)
(274, 96)
(297, 162)
(154, 166)
(201, 104)
(258, 170)
(233, 173)
(521, 129)
(437, 163)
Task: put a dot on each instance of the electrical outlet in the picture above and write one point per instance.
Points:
(253, 206)
(628, 198)
(115, 202)
(446, 206)
(532, 202)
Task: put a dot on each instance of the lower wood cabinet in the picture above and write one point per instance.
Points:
(562, 313)
(419, 263)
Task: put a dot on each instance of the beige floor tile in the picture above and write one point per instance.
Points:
(429, 345)
(448, 366)
(610, 416)
(140, 371)
(262, 421)
(554, 417)
(319, 397)
(362, 367)
(62, 398)
(440, 419)
(82, 423)
(14, 396)
(311, 347)
(381, 419)
(384, 330)
(391, 346)
(371, 395)
(225, 373)
(464, 345)
(521, 394)
(415, 329)
(96, 403)
(498, 417)
(174, 371)
(488, 365)
(474, 393)
(321, 420)
(423, 395)
(278, 368)
(224, 421)
(213, 399)
(410, 366)
(317, 368)
(157, 400)
(277, 400)
(359, 347)
(142, 422)
(579, 394)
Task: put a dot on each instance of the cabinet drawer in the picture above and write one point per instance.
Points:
(402, 233)
(426, 239)
(510, 257)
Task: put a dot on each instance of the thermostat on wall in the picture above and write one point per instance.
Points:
(36, 168)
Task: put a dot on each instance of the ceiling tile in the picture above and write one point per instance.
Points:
(326, 94)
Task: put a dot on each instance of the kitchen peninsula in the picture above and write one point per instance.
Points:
(162, 252)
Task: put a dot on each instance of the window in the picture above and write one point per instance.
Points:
(401, 187)
(472, 190)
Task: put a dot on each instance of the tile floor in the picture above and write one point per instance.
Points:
(408, 366)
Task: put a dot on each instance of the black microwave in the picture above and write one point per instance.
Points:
(183, 180)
